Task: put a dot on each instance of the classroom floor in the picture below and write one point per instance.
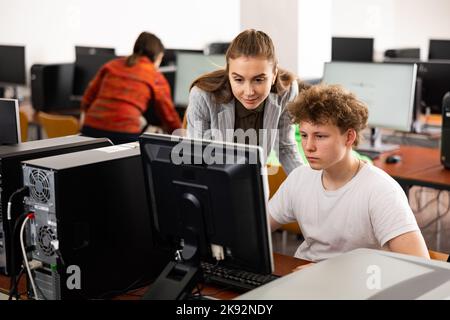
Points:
(423, 201)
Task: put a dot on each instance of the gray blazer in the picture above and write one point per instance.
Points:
(209, 120)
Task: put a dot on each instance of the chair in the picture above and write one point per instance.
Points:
(23, 126)
(434, 255)
(275, 180)
(58, 125)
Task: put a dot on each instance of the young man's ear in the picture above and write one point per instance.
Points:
(351, 137)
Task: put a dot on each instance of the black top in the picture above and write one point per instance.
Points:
(246, 119)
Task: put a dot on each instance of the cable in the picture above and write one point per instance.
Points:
(25, 259)
(12, 249)
(18, 191)
(14, 286)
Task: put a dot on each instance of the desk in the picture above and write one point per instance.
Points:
(419, 167)
(283, 266)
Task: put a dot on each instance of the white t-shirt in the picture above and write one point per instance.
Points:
(366, 212)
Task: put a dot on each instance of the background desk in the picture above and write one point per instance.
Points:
(418, 167)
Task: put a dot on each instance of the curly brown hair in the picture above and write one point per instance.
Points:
(330, 104)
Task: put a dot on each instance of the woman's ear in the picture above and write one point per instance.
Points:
(275, 74)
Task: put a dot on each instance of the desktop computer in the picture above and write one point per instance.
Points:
(445, 136)
(91, 214)
(51, 86)
(11, 180)
(208, 202)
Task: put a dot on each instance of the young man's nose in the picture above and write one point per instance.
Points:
(309, 144)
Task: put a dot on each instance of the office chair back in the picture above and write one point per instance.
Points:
(58, 125)
(23, 126)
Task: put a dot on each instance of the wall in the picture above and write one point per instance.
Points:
(279, 20)
(51, 28)
(393, 24)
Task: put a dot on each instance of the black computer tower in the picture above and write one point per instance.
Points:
(51, 86)
(11, 179)
(445, 136)
(94, 205)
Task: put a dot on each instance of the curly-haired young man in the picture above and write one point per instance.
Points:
(340, 202)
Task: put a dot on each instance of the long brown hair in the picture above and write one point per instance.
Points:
(148, 45)
(249, 43)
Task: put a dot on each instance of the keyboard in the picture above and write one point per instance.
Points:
(238, 280)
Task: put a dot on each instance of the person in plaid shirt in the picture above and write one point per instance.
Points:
(123, 90)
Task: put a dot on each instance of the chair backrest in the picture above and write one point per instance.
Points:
(58, 125)
(23, 125)
(435, 255)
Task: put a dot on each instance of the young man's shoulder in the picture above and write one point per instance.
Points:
(376, 178)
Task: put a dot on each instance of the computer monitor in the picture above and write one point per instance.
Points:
(435, 77)
(170, 56)
(351, 49)
(439, 49)
(9, 122)
(189, 67)
(208, 200)
(387, 89)
(88, 61)
(403, 54)
(12, 67)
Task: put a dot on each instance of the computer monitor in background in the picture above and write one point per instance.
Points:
(9, 122)
(387, 89)
(170, 55)
(435, 78)
(403, 54)
(189, 67)
(439, 49)
(168, 66)
(88, 61)
(12, 67)
(351, 49)
(208, 200)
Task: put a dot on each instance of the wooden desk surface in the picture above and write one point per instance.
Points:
(413, 160)
(435, 177)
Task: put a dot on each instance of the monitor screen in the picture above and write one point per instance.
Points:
(170, 55)
(387, 89)
(439, 49)
(435, 78)
(9, 121)
(351, 49)
(12, 65)
(209, 197)
(189, 67)
(88, 61)
(403, 54)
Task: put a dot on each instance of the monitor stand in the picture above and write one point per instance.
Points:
(375, 144)
(176, 282)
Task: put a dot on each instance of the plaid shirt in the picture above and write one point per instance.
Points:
(118, 95)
